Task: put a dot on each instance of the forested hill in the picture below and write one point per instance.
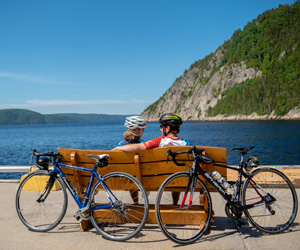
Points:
(23, 116)
(256, 71)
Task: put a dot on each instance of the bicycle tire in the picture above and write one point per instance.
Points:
(278, 216)
(41, 216)
(182, 225)
(128, 217)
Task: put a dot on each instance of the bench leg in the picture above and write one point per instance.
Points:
(85, 225)
(175, 197)
(135, 196)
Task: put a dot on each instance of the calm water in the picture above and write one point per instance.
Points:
(277, 142)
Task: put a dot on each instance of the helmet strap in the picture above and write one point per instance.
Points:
(164, 131)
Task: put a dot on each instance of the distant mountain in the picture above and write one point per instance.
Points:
(24, 116)
(256, 73)
(20, 116)
(73, 117)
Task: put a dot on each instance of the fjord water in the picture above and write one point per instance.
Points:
(276, 142)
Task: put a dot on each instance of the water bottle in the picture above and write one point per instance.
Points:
(217, 177)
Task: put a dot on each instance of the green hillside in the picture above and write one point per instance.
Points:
(23, 116)
(270, 43)
(20, 116)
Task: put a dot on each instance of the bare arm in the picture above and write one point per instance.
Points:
(131, 147)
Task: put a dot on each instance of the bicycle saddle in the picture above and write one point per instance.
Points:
(99, 157)
(243, 151)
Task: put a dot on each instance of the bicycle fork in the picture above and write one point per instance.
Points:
(47, 189)
(192, 180)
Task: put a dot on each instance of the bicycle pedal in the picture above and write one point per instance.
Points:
(77, 215)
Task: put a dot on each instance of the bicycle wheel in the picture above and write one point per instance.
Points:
(126, 216)
(179, 223)
(41, 215)
(274, 215)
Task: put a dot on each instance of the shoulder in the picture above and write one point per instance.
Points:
(168, 141)
(186, 141)
(153, 143)
(122, 143)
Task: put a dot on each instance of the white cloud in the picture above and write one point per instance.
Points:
(70, 102)
(40, 102)
(27, 78)
(81, 106)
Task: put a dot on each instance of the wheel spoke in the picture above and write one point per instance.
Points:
(40, 216)
(130, 213)
(275, 216)
(178, 222)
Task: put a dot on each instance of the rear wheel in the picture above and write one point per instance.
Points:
(275, 198)
(178, 222)
(39, 212)
(126, 218)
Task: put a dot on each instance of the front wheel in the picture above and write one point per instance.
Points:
(275, 200)
(41, 205)
(119, 207)
(178, 221)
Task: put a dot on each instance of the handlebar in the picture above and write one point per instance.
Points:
(197, 153)
(45, 162)
(50, 153)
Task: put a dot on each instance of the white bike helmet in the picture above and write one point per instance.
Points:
(134, 122)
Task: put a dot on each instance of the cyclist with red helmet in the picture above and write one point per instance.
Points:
(170, 126)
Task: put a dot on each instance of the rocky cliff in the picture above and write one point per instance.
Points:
(196, 94)
(199, 89)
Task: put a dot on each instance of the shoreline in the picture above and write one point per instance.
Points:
(293, 115)
(238, 118)
(249, 118)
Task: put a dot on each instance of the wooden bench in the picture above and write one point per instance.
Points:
(291, 171)
(150, 167)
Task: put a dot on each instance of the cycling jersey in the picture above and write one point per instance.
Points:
(166, 141)
(122, 143)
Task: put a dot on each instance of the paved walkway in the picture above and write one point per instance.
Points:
(224, 233)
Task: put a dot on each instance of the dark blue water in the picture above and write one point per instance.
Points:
(277, 142)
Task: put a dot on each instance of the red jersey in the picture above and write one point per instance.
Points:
(166, 141)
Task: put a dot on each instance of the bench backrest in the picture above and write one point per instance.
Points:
(150, 167)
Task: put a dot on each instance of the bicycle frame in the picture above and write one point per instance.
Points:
(83, 205)
(235, 202)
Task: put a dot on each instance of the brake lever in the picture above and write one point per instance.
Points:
(31, 158)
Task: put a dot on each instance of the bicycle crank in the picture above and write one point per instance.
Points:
(230, 212)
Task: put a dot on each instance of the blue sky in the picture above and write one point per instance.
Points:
(108, 57)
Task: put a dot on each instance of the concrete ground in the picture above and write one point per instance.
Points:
(224, 232)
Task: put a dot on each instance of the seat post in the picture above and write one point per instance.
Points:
(242, 160)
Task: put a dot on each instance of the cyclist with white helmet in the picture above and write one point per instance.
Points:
(135, 129)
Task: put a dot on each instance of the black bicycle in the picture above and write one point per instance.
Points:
(183, 203)
(117, 203)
